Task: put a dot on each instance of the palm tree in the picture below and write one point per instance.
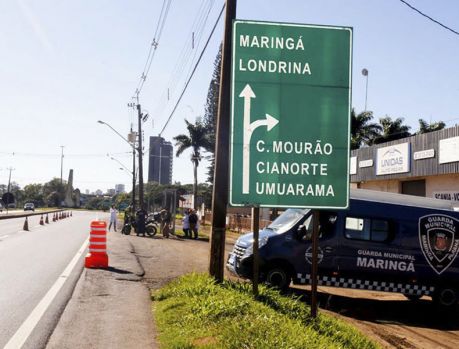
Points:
(363, 132)
(424, 127)
(392, 130)
(197, 138)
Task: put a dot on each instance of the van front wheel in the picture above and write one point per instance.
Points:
(445, 297)
(279, 278)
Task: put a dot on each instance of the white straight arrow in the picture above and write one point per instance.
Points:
(247, 93)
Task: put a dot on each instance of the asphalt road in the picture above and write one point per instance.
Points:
(30, 264)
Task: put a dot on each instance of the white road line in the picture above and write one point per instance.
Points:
(21, 335)
(3, 237)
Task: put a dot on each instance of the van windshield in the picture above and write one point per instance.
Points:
(287, 220)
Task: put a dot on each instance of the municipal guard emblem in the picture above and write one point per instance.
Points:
(439, 240)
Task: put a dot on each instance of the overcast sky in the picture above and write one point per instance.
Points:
(66, 64)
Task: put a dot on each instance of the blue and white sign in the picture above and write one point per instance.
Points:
(393, 159)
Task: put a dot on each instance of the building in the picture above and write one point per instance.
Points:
(160, 164)
(423, 165)
(111, 192)
(120, 188)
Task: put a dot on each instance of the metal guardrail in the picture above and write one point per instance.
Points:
(23, 215)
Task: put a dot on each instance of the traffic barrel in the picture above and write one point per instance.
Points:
(41, 220)
(97, 256)
(47, 220)
(26, 225)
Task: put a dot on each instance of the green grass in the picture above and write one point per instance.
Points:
(194, 312)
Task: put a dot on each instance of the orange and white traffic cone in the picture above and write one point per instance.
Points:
(41, 220)
(97, 256)
(46, 219)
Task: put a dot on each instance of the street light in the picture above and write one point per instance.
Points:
(365, 73)
(132, 144)
(124, 168)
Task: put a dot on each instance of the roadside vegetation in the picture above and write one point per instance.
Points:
(194, 312)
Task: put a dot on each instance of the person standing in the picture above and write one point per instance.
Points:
(186, 224)
(165, 222)
(140, 223)
(113, 217)
(193, 220)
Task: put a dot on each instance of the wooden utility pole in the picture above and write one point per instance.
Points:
(256, 264)
(221, 171)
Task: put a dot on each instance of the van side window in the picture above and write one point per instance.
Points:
(327, 224)
(367, 229)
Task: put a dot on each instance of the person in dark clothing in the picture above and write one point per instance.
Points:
(165, 222)
(193, 220)
(140, 217)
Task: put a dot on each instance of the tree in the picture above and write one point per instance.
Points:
(392, 130)
(211, 111)
(34, 193)
(362, 131)
(196, 139)
(54, 192)
(425, 127)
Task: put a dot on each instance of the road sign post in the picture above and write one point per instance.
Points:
(290, 115)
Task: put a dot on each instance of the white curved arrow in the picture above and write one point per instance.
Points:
(247, 93)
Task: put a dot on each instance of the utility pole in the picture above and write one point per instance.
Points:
(8, 190)
(62, 160)
(9, 178)
(133, 170)
(220, 192)
(139, 113)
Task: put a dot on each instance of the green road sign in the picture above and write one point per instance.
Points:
(290, 117)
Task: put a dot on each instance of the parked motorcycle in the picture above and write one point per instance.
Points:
(151, 227)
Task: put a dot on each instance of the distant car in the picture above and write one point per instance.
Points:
(29, 207)
(12, 205)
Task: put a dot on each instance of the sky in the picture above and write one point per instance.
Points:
(66, 64)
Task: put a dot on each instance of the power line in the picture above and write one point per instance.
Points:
(192, 73)
(193, 39)
(154, 45)
(59, 155)
(433, 20)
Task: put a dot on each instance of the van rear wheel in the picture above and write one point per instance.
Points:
(413, 297)
(279, 278)
(445, 297)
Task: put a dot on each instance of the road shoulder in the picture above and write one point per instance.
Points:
(109, 308)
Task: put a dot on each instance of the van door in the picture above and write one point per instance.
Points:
(367, 251)
(326, 250)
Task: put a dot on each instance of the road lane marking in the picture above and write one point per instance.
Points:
(23, 333)
(3, 237)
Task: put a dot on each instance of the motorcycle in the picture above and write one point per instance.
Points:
(151, 227)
